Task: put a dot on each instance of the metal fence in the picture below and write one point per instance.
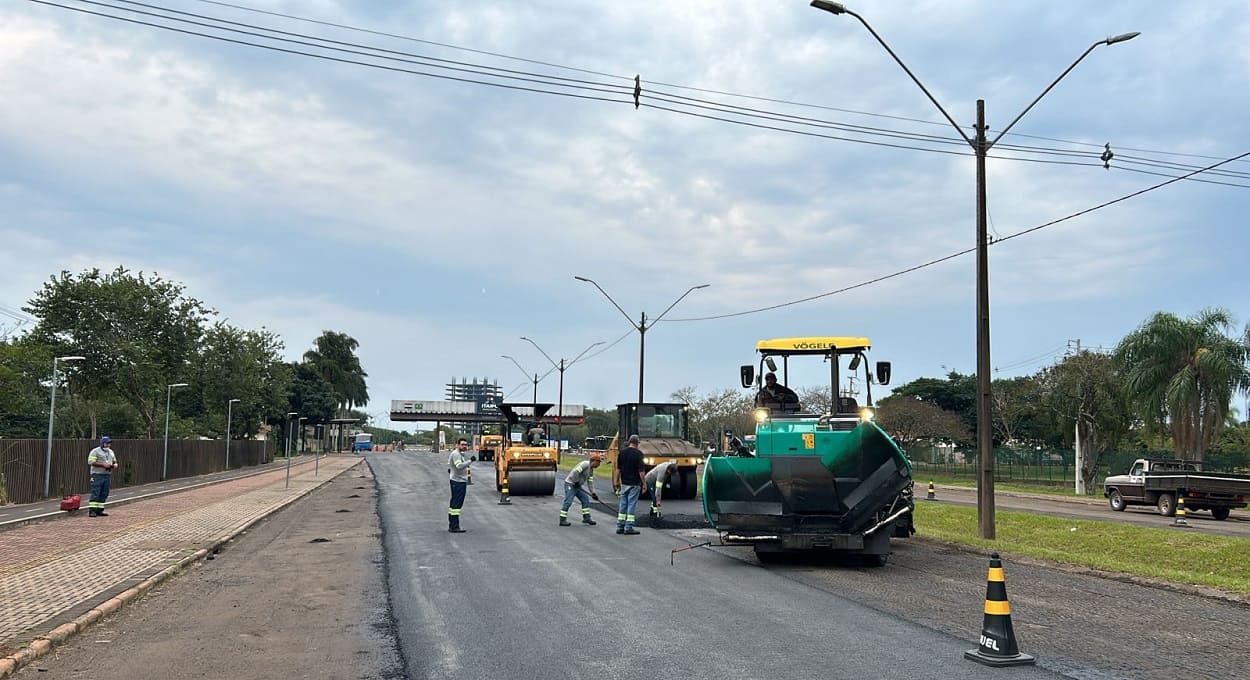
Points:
(23, 462)
(1046, 467)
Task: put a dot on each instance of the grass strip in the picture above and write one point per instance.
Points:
(1172, 554)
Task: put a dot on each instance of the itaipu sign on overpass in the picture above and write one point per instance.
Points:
(468, 412)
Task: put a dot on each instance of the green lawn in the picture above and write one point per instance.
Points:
(1173, 554)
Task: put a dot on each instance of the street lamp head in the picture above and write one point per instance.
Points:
(702, 286)
(1122, 37)
(582, 278)
(173, 385)
(233, 401)
(505, 356)
(830, 7)
(73, 358)
(292, 413)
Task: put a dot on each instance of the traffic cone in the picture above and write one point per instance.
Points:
(1180, 512)
(998, 641)
(932, 493)
(503, 494)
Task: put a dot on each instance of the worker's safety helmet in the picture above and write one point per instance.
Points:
(596, 457)
(105, 439)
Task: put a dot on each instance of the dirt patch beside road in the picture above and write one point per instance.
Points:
(272, 604)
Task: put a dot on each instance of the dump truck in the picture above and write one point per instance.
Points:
(663, 431)
(815, 481)
(524, 469)
(1160, 481)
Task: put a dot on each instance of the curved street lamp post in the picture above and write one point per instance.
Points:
(169, 391)
(47, 464)
(561, 367)
(534, 379)
(289, 434)
(229, 413)
(642, 326)
(981, 146)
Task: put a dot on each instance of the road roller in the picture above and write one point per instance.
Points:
(819, 479)
(525, 468)
(663, 430)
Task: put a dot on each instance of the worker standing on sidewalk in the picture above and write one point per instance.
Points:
(100, 463)
(580, 483)
(658, 479)
(458, 467)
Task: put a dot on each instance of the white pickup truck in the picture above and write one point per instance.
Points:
(1160, 481)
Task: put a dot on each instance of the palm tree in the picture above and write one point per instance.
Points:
(1182, 373)
(334, 359)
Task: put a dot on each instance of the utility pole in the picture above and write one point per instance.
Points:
(980, 146)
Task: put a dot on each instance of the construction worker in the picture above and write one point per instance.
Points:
(458, 467)
(658, 479)
(627, 481)
(580, 483)
(536, 436)
(100, 462)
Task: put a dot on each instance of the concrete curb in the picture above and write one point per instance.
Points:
(56, 514)
(62, 633)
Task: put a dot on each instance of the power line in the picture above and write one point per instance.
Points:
(1031, 360)
(332, 58)
(548, 80)
(952, 256)
(496, 72)
(720, 92)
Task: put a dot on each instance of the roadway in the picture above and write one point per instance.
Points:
(519, 596)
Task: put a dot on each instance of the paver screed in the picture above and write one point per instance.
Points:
(49, 568)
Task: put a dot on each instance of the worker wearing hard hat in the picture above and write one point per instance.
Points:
(580, 483)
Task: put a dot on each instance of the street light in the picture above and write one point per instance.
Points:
(47, 467)
(169, 391)
(559, 367)
(641, 326)
(229, 412)
(535, 379)
(288, 447)
(979, 144)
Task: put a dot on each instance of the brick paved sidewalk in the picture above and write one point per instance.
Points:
(52, 572)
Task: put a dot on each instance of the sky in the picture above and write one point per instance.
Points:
(438, 221)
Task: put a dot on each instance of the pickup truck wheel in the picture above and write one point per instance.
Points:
(1220, 513)
(1116, 501)
(1167, 504)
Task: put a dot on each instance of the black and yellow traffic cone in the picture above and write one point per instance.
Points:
(1180, 520)
(503, 494)
(932, 493)
(998, 641)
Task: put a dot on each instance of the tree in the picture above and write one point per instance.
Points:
(1183, 373)
(1085, 394)
(957, 394)
(815, 399)
(712, 414)
(908, 420)
(334, 358)
(1016, 410)
(237, 364)
(25, 366)
(138, 333)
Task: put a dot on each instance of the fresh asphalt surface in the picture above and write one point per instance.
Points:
(518, 596)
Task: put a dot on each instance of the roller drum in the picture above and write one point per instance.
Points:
(532, 482)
